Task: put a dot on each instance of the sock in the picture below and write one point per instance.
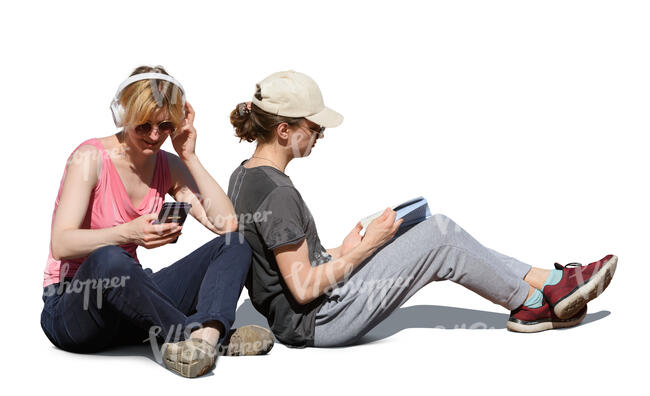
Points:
(553, 278)
(535, 301)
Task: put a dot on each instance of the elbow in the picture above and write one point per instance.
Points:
(303, 297)
(56, 250)
(302, 300)
(230, 225)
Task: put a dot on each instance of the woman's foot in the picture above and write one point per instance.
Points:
(195, 357)
(190, 358)
(248, 341)
(532, 320)
(579, 285)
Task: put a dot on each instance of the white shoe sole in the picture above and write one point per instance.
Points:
(522, 327)
(575, 301)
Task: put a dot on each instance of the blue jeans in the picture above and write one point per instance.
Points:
(112, 300)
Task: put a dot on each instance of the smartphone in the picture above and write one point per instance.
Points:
(173, 212)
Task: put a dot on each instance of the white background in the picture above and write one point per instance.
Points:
(525, 122)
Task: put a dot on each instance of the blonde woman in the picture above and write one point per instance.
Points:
(96, 293)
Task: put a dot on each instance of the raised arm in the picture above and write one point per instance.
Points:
(192, 183)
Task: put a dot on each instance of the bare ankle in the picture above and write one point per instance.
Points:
(536, 277)
(210, 333)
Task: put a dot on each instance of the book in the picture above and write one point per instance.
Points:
(412, 211)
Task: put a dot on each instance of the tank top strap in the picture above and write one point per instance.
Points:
(101, 151)
(162, 178)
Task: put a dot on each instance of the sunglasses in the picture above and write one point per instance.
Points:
(319, 132)
(163, 127)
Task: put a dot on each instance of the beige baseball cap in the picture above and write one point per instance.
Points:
(292, 94)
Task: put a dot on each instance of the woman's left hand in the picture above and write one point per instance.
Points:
(352, 240)
(184, 141)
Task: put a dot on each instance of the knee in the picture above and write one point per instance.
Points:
(237, 242)
(235, 247)
(241, 249)
(111, 261)
(107, 253)
(443, 223)
(445, 230)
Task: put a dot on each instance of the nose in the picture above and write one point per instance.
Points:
(155, 133)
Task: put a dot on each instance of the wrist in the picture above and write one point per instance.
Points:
(189, 159)
(335, 252)
(123, 234)
(366, 246)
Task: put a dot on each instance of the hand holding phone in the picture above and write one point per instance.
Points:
(142, 232)
(173, 212)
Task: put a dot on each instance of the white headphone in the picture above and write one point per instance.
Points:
(116, 107)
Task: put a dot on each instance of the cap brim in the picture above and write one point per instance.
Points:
(327, 118)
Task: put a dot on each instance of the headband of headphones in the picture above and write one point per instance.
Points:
(148, 76)
(116, 108)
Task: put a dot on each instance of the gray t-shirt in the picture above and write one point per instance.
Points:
(272, 213)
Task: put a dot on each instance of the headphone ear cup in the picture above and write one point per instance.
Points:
(118, 112)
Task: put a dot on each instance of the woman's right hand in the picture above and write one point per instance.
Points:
(382, 229)
(142, 232)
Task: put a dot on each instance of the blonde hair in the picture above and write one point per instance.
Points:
(144, 99)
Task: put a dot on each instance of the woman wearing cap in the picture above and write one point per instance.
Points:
(96, 293)
(331, 297)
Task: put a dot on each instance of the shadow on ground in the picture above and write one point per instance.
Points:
(418, 316)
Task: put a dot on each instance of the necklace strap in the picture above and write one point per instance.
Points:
(266, 159)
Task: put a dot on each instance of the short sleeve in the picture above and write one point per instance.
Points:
(279, 218)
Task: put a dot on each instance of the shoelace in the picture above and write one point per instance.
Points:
(570, 265)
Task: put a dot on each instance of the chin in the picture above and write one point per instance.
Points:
(309, 150)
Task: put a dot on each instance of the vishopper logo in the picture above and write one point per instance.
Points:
(254, 217)
(295, 142)
(88, 158)
(173, 334)
(156, 89)
(222, 220)
(473, 326)
(242, 220)
(309, 282)
(443, 222)
(376, 290)
(85, 286)
(179, 333)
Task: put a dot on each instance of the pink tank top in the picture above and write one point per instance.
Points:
(110, 205)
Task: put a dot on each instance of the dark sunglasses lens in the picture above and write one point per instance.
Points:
(143, 128)
(166, 127)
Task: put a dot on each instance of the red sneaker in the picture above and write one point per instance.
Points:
(532, 320)
(579, 285)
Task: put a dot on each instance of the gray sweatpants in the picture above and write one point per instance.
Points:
(435, 249)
